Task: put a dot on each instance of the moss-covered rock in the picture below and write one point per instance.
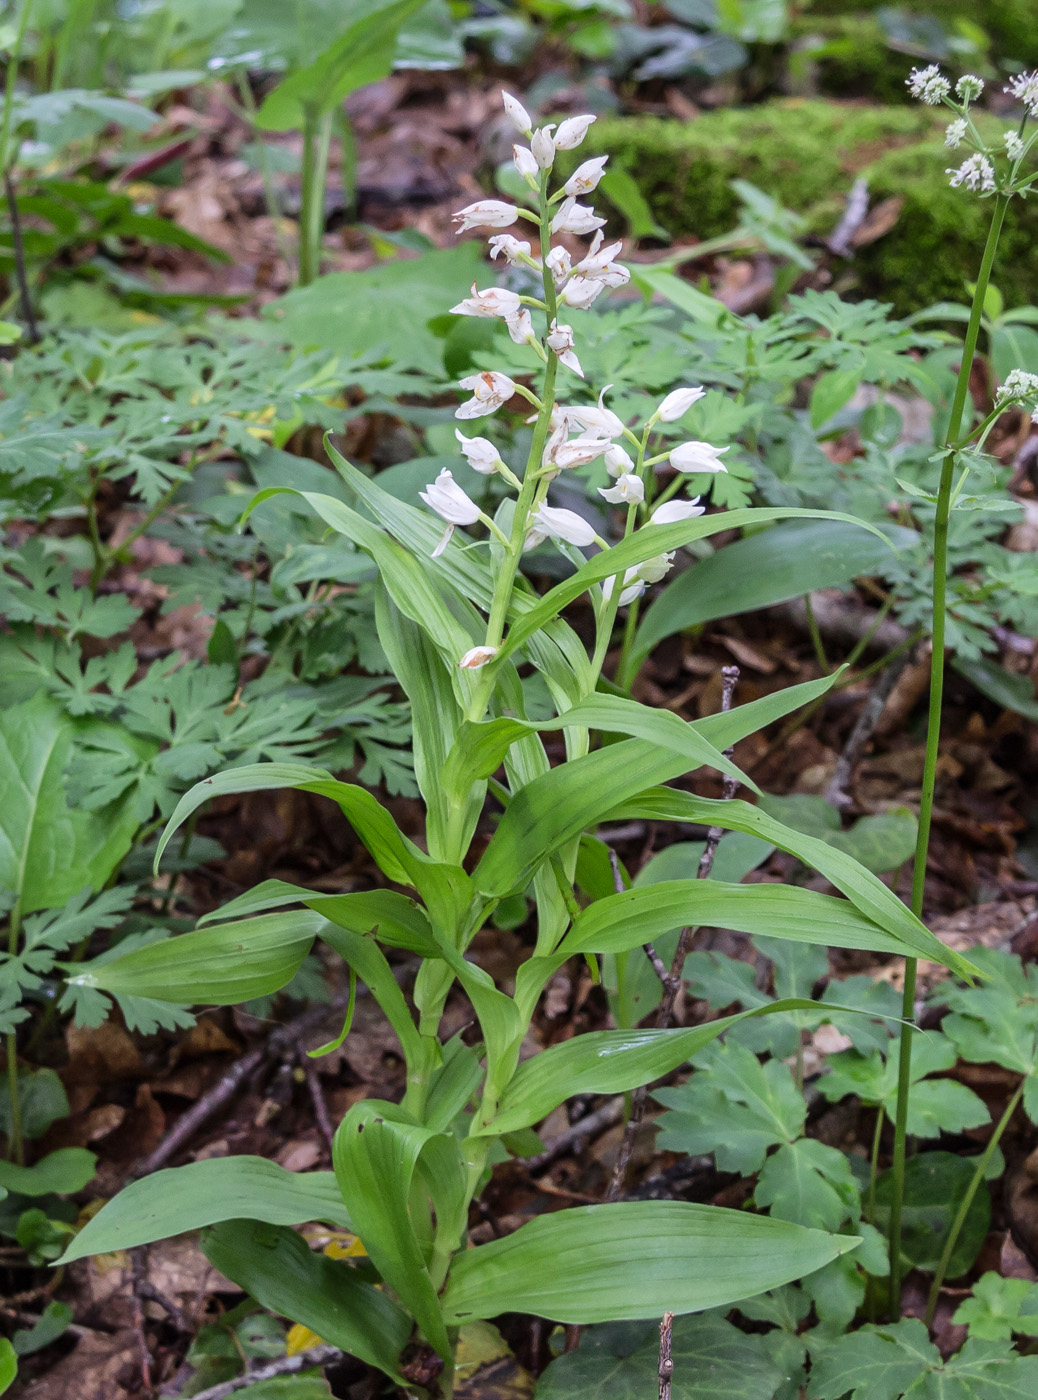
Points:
(807, 153)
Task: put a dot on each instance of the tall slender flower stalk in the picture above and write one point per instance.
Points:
(994, 171)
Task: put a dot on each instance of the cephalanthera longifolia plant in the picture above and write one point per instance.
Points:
(999, 172)
(461, 627)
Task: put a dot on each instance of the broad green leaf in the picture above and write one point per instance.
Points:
(221, 965)
(49, 851)
(995, 1023)
(52, 1323)
(639, 915)
(179, 1199)
(363, 54)
(367, 960)
(379, 1159)
(808, 1183)
(62, 1172)
(727, 727)
(645, 544)
(605, 1062)
(734, 1106)
(278, 1269)
(1011, 691)
(867, 893)
(885, 1363)
(832, 391)
(999, 1307)
(935, 1186)
(633, 1260)
(790, 559)
(620, 1361)
(934, 1106)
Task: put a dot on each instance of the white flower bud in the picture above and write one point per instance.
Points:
(525, 164)
(657, 568)
(575, 218)
(672, 511)
(697, 457)
(543, 147)
(565, 525)
(969, 87)
(928, 84)
(517, 114)
(1014, 144)
(633, 588)
(572, 132)
(490, 390)
(486, 213)
(628, 491)
(617, 461)
(495, 301)
(677, 403)
(477, 657)
(481, 454)
(511, 249)
(586, 177)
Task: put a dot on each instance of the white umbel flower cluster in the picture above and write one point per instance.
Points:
(1024, 88)
(1020, 386)
(567, 436)
(985, 170)
(929, 85)
(975, 173)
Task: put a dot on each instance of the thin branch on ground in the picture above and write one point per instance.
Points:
(322, 1355)
(837, 792)
(577, 1134)
(666, 1366)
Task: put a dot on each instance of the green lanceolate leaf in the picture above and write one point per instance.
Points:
(793, 558)
(378, 1154)
(633, 1260)
(179, 1199)
(279, 1270)
(8, 1365)
(639, 915)
(865, 891)
(366, 959)
(727, 727)
(221, 965)
(606, 1062)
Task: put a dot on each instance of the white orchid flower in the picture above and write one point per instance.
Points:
(617, 461)
(633, 588)
(659, 566)
(481, 454)
(697, 457)
(575, 218)
(559, 264)
(571, 132)
(600, 420)
(477, 657)
(520, 327)
(512, 249)
(494, 301)
(580, 292)
(517, 114)
(672, 511)
(543, 147)
(490, 390)
(486, 213)
(598, 263)
(628, 491)
(526, 165)
(559, 524)
(577, 452)
(677, 403)
(586, 177)
(560, 340)
(450, 503)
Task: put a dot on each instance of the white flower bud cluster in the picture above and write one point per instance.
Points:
(574, 435)
(1020, 386)
(929, 85)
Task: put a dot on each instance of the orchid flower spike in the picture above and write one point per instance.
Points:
(490, 390)
(486, 213)
(697, 457)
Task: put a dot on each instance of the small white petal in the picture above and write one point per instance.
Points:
(677, 403)
(563, 525)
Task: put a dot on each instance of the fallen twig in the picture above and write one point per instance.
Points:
(666, 1366)
(836, 793)
(577, 1133)
(322, 1355)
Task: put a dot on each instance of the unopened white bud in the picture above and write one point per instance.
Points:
(678, 402)
(697, 457)
(525, 164)
(563, 525)
(571, 132)
(586, 177)
(477, 657)
(517, 114)
(672, 511)
(481, 454)
(543, 147)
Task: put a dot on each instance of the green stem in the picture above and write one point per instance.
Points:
(626, 669)
(816, 636)
(933, 734)
(11, 76)
(870, 1200)
(317, 135)
(270, 193)
(964, 1206)
(16, 1143)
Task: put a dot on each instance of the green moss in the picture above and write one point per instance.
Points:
(807, 154)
